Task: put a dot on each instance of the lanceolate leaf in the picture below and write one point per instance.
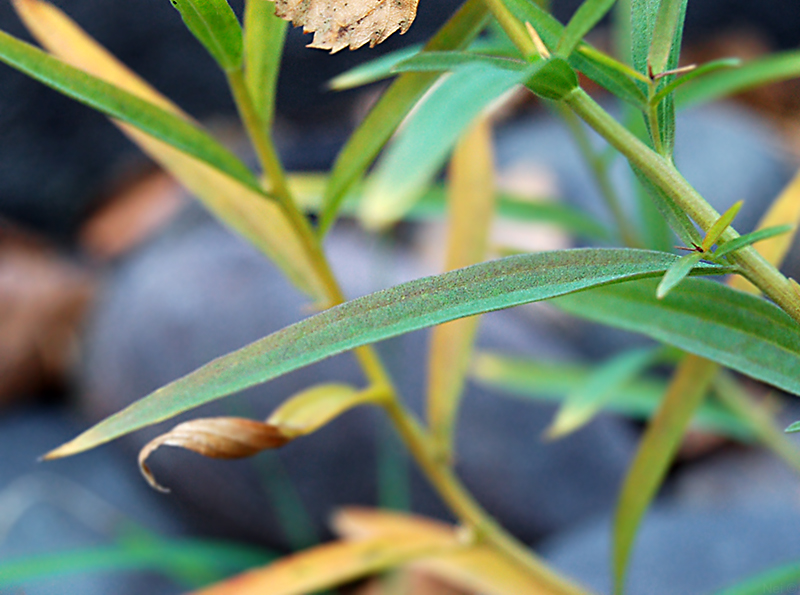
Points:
(552, 382)
(418, 304)
(123, 106)
(782, 579)
(471, 211)
(444, 61)
(585, 18)
(700, 71)
(677, 273)
(708, 319)
(409, 165)
(762, 71)
(335, 563)
(607, 379)
(667, 21)
(214, 25)
(785, 210)
(263, 46)
(181, 559)
(368, 139)
(752, 238)
(720, 225)
(475, 567)
(650, 465)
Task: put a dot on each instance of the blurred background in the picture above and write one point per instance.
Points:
(112, 283)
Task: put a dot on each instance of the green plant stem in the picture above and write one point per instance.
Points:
(663, 174)
(600, 172)
(417, 440)
(451, 490)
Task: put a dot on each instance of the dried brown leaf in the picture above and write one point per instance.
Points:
(337, 24)
(216, 437)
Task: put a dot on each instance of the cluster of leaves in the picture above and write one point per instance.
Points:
(452, 84)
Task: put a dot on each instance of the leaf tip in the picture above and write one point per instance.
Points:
(795, 427)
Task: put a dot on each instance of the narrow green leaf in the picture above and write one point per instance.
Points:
(308, 190)
(782, 579)
(379, 125)
(264, 34)
(445, 61)
(418, 304)
(720, 225)
(581, 406)
(383, 66)
(755, 73)
(795, 427)
(553, 381)
(409, 165)
(560, 214)
(375, 70)
(677, 273)
(123, 106)
(669, 16)
(708, 319)
(656, 451)
(552, 79)
(214, 25)
(700, 71)
(207, 559)
(589, 13)
(751, 238)
(643, 22)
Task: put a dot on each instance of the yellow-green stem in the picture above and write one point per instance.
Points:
(465, 507)
(663, 174)
(417, 440)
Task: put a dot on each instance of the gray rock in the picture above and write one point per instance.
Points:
(691, 551)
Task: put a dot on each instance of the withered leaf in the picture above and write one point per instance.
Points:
(337, 24)
(236, 437)
(216, 437)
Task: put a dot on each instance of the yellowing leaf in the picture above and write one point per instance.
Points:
(235, 438)
(251, 214)
(337, 24)
(311, 409)
(474, 567)
(471, 206)
(332, 564)
(215, 437)
(784, 210)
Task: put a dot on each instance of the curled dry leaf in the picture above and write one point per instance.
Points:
(337, 24)
(216, 437)
(236, 438)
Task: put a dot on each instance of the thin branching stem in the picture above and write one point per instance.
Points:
(417, 439)
(662, 173)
